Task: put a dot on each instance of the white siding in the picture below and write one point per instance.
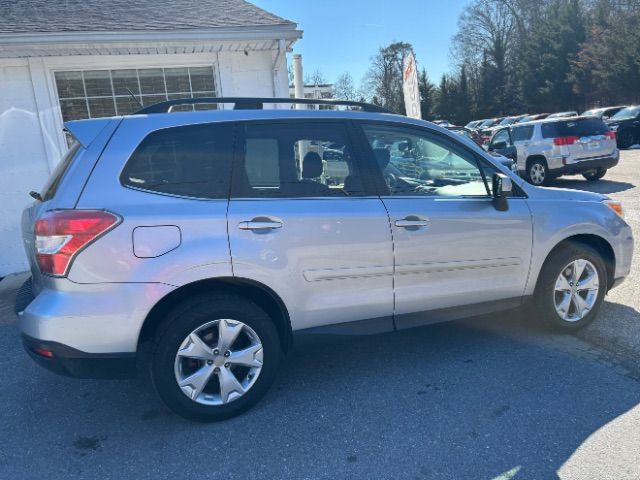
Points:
(31, 139)
(23, 161)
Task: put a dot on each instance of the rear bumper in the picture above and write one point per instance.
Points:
(96, 319)
(64, 360)
(581, 166)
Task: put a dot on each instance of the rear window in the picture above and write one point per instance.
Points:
(51, 187)
(583, 127)
(189, 161)
(522, 133)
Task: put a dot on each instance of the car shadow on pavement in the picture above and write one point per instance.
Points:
(471, 399)
(601, 186)
(617, 332)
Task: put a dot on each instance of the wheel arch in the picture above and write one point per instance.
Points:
(536, 156)
(262, 295)
(598, 243)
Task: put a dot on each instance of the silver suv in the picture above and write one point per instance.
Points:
(197, 242)
(549, 148)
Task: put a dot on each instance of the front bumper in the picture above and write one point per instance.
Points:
(64, 360)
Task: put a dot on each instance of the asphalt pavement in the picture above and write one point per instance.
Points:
(488, 398)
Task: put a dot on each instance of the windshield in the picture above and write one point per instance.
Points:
(629, 112)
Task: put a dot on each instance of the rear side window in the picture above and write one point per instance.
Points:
(582, 127)
(189, 161)
(296, 160)
(521, 134)
(51, 187)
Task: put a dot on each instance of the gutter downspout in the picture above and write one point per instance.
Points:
(282, 51)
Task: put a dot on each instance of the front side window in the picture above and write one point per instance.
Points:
(296, 160)
(190, 161)
(501, 137)
(105, 93)
(415, 162)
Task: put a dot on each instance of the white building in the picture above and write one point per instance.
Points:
(322, 91)
(79, 58)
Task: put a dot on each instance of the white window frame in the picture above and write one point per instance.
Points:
(51, 65)
(138, 97)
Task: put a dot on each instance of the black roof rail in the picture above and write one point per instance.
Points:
(257, 103)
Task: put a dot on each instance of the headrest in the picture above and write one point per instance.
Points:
(311, 165)
(383, 157)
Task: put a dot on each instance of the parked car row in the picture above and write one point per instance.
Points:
(623, 120)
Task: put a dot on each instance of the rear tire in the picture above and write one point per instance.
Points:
(595, 174)
(555, 302)
(537, 172)
(212, 318)
(625, 139)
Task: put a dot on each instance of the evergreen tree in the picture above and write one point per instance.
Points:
(427, 95)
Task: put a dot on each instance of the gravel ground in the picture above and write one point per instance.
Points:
(488, 398)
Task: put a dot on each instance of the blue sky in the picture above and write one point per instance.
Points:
(342, 35)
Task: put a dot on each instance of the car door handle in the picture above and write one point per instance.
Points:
(412, 222)
(260, 224)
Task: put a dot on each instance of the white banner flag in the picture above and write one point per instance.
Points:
(410, 87)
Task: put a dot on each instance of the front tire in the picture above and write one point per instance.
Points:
(595, 174)
(537, 172)
(214, 357)
(571, 287)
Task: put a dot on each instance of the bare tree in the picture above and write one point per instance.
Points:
(486, 29)
(344, 88)
(384, 79)
(315, 78)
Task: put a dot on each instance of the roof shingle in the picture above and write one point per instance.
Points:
(47, 16)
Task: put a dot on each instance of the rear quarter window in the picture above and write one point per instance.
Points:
(520, 134)
(189, 161)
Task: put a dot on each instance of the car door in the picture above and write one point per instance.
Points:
(322, 243)
(454, 250)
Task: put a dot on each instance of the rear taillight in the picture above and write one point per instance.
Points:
(610, 135)
(562, 141)
(62, 234)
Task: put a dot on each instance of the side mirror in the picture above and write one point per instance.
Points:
(502, 186)
(498, 146)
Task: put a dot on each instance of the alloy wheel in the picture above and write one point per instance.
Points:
(537, 174)
(576, 290)
(218, 362)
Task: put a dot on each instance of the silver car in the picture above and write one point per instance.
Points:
(550, 148)
(197, 243)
